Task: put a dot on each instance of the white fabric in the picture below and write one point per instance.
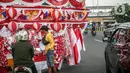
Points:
(42, 47)
(79, 47)
(4, 32)
(41, 65)
(60, 65)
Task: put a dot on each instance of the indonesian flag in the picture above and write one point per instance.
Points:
(75, 56)
(80, 37)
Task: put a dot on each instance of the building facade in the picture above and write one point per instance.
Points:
(100, 15)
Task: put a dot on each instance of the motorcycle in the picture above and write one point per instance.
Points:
(93, 32)
(22, 69)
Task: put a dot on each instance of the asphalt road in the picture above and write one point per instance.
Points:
(92, 60)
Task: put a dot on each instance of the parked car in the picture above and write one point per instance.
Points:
(109, 29)
(117, 50)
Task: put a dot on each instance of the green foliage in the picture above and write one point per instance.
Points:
(122, 18)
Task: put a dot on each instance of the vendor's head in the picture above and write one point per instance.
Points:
(44, 29)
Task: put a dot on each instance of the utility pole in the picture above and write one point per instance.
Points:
(97, 7)
(93, 4)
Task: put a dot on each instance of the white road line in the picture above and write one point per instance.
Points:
(98, 40)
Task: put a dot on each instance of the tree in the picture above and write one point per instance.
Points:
(122, 18)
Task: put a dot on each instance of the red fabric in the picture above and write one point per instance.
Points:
(3, 59)
(3, 70)
(39, 58)
(32, 1)
(11, 12)
(58, 3)
(77, 4)
(75, 54)
(79, 36)
(6, 1)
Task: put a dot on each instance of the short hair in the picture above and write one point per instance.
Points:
(44, 28)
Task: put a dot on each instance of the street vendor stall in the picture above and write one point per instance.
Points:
(65, 19)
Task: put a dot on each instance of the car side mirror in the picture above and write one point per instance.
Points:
(106, 39)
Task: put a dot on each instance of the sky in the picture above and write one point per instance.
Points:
(105, 2)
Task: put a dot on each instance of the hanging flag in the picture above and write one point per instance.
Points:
(73, 59)
(80, 37)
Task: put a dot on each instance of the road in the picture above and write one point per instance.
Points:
(92, 59)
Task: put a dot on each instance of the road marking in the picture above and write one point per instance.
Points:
(98, 40)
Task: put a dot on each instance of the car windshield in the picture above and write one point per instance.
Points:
(109, 26)
(112, 25)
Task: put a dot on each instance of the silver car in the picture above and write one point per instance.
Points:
(110, 29)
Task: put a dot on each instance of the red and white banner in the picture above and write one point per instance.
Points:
(73, 59)
(58, 2)
(7, 2)
(32, 2)
(77, 3)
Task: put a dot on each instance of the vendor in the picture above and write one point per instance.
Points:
(48, 41)
(3, 59)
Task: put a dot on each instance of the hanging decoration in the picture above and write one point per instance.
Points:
(75, 26)
(56, 14)
(78, 16)
(62, 20)
(11, 12)
(56, 26)
(7, 2)
(3, 14)
(32, 14)
(58, 3)
(36, 26)
(77, 3)
(13, 27)
(32, 2)
(42, 14)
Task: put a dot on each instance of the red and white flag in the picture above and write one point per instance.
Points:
(75, 56)
(80, 37)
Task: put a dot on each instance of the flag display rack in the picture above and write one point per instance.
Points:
(65, 23)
